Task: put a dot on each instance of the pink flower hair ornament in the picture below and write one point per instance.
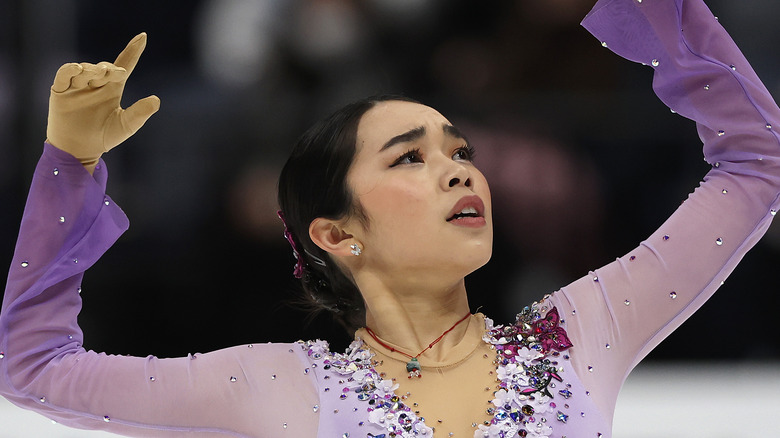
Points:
(298, 270)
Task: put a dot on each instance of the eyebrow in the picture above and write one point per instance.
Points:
(418, 133)
(408, 136)
(454, 132)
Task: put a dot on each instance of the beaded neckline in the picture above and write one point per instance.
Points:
(526, 362)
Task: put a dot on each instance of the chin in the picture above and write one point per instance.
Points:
(481, 257)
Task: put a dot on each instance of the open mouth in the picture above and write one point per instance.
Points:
(466, 212)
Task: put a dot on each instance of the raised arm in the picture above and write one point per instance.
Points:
(617, 314)
(69, 222)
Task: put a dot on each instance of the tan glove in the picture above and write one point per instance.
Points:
(85, 114)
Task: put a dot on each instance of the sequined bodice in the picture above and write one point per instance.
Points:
(534, 390)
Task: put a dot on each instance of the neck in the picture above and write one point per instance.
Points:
(413, 316)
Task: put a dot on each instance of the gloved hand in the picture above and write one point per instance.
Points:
(85, 114)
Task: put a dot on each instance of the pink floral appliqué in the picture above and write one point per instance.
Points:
(527, 357)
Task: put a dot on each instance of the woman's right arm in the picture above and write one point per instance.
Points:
(68, 224)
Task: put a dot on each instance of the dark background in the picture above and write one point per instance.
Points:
(583, 160)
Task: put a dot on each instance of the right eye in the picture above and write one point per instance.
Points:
(409, 157)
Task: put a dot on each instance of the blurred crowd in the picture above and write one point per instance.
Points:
(583, 160)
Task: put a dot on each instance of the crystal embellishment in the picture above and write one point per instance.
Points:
(527, 364)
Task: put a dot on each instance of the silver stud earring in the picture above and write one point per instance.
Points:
(355, 249)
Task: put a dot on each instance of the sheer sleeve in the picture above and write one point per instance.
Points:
(69, 222)
(617, 314)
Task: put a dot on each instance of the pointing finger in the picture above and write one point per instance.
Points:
(130, 55)
(64, 76)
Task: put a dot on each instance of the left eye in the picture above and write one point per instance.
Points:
(464, 153)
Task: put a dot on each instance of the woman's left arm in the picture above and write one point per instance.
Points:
(617, 314)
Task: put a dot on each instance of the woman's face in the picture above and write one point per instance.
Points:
(428, 207)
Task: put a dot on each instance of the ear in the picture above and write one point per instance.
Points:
(328, 235)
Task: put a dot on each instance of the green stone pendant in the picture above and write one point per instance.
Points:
(413, 368)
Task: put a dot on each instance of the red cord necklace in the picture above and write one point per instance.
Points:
(413, 366)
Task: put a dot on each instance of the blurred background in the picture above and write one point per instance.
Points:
(583, 160)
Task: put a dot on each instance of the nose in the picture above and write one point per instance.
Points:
(455, 181)
(456, 175)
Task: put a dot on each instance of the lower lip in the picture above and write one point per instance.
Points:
(470, 222)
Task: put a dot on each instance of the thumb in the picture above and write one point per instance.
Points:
(126, 122)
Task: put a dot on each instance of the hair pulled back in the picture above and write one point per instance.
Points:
(313, 184)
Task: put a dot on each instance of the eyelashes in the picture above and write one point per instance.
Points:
(463, 153)
(468, 151)
(409, 157)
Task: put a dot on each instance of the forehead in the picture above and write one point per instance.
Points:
(388, 119)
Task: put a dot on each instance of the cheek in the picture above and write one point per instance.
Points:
(395, 205)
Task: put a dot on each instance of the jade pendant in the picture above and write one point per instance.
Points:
(413, 368)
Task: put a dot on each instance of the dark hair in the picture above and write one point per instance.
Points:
(313, 184)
